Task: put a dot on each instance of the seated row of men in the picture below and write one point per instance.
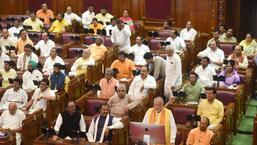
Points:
(100, 129)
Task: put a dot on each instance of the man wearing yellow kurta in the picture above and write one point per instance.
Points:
(211, 108)
(58, 25)
(160, 115)
(97, 49)
(6, 74)
(80, 65)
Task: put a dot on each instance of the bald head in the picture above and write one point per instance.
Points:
(86, 53)
(158, 104)
(12, 108)
(121, 91)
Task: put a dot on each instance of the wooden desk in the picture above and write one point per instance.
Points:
(9, 139)
(42, 141)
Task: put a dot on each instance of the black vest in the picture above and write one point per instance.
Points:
(100, 128)
(69, 123)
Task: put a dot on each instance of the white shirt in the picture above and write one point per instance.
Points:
(6, 42)
(134, 89)
(172, 124)
(23, 64)
(3, 57)
(188, 35)
(40, 103)
(49, 64)
(178, 43)
(20, 97)
(214, 56)
(71, 16)
(59, 122)
(173, 70)
(28, 79)
(87, 19)
(205, 75)
(121, 38)
(45, 47)
(14, 30)
(139, 52)
(8, 120)
(108, 28)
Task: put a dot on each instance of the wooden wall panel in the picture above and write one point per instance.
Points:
(158, 9)
(35, 5)
(203, 13)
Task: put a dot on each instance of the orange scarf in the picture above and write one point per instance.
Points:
(164, 120)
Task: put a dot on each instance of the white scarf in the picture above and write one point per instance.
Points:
(104, 128)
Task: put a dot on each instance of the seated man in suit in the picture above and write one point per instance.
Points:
(156, 65)
(125, 67)
(211, 108)
(141, 85)
(193, 89)
(108, 84)
(40, 97)
(68, 121)
(201, 134)
(100, 129)
(15, 94)
(58, 80)
(160, 115)
(11, 121)
(119, 102)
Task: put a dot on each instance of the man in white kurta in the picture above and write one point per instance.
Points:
(87, 17)
(139, 50)
(162, 116)
(11, 119)
(6, 40)
(69, 16)
(215, 55)
(50, 61)
(3, 58)
(15, 94)
(32, 74)
(25, 57)
(110, 28)
(141, 85)
(176, 41)
(189, 32)
(15, 30)
(121, 36)
(173, 79)
(205, 73)
(45, 45)
(100, 128)
(40, 97)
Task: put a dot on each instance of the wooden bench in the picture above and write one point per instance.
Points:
(31, 127)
